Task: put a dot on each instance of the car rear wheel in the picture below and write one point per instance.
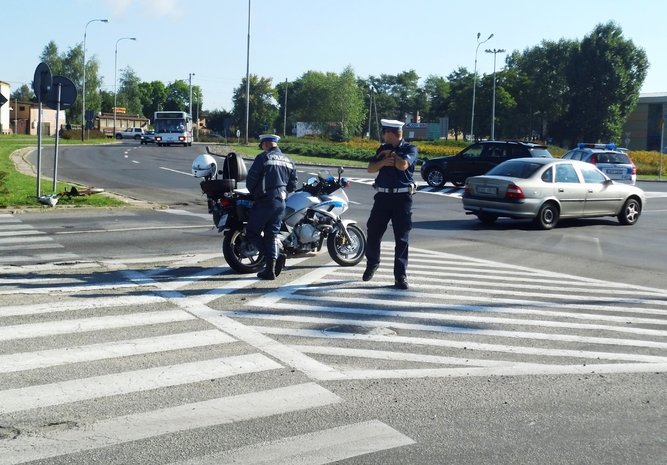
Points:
(435, 178)
(487, 218)
(548, 216)
(630, 212)
(119, 136)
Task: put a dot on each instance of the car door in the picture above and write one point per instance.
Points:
(492, 155)
(601, 197)
(570, 190)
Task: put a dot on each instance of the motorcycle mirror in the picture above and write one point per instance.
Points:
(340, 170)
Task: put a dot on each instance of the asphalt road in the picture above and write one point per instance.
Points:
(124, 338)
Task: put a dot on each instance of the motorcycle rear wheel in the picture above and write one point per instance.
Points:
(347, 253)
(240, 254)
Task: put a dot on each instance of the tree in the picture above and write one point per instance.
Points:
(605, 77)
(24, 94)
(460, 101)
(537, 80)
(129, 94)
(263, 106)
(178, 96)
(436, 90)
(70, 65)
(153, 96)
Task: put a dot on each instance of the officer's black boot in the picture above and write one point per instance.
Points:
(269, 270)
(280, 263)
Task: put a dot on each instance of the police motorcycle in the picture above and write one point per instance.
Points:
(312, 216)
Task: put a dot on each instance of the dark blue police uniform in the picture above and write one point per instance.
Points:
(393, 202)
(271, 176)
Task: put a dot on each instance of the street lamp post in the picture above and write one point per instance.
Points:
(247, 82)
(115, 81)
(83, 92)
(495, 51)
(190, 81)
(474, 85)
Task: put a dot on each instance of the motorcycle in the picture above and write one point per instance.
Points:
(312, 216)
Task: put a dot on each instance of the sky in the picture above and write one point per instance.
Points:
(209, 38)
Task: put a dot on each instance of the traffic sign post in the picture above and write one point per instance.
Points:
(41, 85)
(61, 96)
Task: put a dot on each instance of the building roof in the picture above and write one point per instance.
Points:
(653, 97)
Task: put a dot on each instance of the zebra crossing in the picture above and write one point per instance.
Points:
(17, 237)
(464, 317)
(78, 367)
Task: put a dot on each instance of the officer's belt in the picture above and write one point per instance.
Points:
(393, 190)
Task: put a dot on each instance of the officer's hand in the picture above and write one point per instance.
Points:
(384, 154)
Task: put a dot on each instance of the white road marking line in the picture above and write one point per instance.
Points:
(83, 304)
(451, 329)
(52, 328)
(470, 277)
(10, 231)
(52, 245)
(498, 302)
(463, 345)
(317, 448)
(478, 318)
(65, 392)
(388, 248)
(145, 425)
(508, 371)
(24, 240)
(658, 300)
(282, 352)
(402, 356)
(41, 258)
(77, 354)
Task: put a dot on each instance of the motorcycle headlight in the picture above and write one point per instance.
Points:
(345, 182)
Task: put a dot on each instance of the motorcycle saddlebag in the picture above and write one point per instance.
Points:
(234, 167)
(216, 187)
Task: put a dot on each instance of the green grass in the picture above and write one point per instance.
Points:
(19, 190)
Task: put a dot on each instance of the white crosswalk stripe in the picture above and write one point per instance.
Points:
(18, 240)
(47, 374)
(486, 317)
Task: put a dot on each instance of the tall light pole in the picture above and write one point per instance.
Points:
(285, 112)
(495, 51)
(83, 92)
(247, 82)
(115, 81)
(190, 81)
(474, 85)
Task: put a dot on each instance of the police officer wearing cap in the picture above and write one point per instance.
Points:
(270, 178)
(394, 162)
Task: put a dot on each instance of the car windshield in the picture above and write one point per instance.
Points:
(539, 152)
(616, 158)
(515, 169)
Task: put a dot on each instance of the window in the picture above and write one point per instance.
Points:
(566, 173)
(591, 175)
(548, 175)
(474, 151)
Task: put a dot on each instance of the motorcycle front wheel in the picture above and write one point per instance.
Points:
(240, 254)
(344, 252)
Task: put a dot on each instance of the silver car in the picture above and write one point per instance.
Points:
(548, 189)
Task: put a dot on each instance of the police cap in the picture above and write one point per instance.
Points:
(268, 137)
(391, 125)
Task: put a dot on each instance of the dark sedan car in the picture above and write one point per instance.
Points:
(477, 159)
(148, 137)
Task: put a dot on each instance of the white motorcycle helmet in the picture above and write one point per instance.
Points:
(204, 166)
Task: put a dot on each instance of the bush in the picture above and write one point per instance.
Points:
(72, 134)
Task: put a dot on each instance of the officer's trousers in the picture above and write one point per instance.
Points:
(396, 208)
(264, 223)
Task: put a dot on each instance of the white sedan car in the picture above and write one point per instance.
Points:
(548, 189)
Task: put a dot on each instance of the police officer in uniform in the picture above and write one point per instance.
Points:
(270, 178)
(394, 162)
